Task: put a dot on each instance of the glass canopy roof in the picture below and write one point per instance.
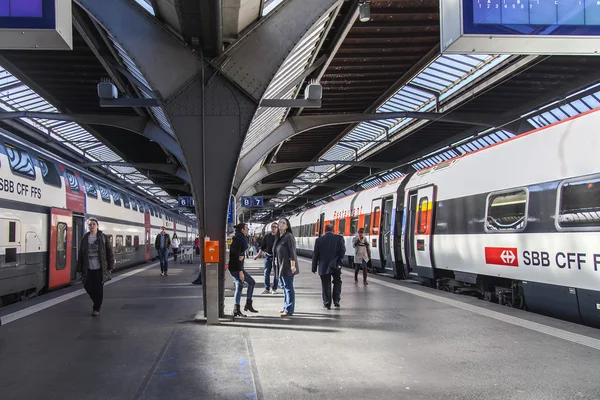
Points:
(16, 96)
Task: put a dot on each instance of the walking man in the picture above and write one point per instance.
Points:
(162, 244)
(266, 247)
(327, 257)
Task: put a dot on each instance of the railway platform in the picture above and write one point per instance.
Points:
(389, 340)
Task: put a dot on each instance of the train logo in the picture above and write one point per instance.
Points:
(506, 256)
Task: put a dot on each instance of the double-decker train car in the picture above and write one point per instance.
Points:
(517, 222)
(44, 204)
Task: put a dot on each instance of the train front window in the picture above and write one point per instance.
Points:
(506, 211)
(579, 203)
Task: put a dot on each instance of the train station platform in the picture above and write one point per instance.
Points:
(389, 340)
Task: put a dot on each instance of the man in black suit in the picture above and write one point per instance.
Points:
(328, 254)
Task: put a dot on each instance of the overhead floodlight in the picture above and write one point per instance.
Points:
(364, 9)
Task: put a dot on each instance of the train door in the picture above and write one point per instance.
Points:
(423, 230)
(410, 233)
(77, 235)
(386, 232)
(321, 224)
(147, 228)
(61, 227)
(375, 233)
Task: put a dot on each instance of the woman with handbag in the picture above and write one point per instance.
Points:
(286, 261)
(362, 255)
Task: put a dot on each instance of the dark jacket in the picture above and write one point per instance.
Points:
(236, 249)
(105, 251)
(284, 250)
(167, 242)
(267, 244)
(329, 252)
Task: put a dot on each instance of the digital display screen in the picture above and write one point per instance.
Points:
(536, 12)
(532, 17)
(21, 8)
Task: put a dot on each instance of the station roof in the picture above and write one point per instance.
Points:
(390, 63)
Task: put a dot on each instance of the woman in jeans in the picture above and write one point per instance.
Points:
(239, 245)
(284, 255)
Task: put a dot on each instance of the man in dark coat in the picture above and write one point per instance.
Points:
(162, 244)
(329, 252)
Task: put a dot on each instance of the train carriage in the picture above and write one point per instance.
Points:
(517, 222)
(44, 204)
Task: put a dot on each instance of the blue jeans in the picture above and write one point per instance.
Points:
(268, 268)
(239, 286)
(287, 285)
(163, 255)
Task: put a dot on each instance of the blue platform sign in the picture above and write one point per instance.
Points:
(252, 202)
(231, 210)
(36, 24)
(186, 201)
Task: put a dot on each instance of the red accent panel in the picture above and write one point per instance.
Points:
(59, 270)
(506, 256)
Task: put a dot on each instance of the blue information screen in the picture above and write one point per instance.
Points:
(532, 17)
(21, 8)
(27, 14)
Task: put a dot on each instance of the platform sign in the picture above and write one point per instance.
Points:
(186, 201)
(554, 27)
(252, 202)
(231, 210)
(36, 25)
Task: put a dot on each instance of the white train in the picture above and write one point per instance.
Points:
(518, 222)
(44, 204)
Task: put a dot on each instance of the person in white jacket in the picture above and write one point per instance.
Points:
(175, 242)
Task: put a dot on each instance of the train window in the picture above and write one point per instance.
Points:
(90, 189)
(61, 246)
(353, 226)
(342, 226)
(375, 223)
(12, 232)
(141, 207)
(367, 224)
(20, 162)
(579, 204)
(119, 247)
(506, 211)
(49, 173)
(73, 181)
(136, 242)
(117, 199)
(422, 216)
(126, 202)
(104, 193)
(10, 255)
(110, 240)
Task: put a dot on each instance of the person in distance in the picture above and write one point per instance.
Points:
(362, 255)
(266, 248)
(175, 242)
(327, 256)
(162, 244)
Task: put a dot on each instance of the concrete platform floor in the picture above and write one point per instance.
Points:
(390, 340)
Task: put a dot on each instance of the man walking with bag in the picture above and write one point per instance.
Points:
(328, 254)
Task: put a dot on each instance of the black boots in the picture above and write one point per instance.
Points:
(248, 306)
(237, 312)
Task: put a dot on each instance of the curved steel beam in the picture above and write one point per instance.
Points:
(140, 125)
(269, 169)
(296, 125)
